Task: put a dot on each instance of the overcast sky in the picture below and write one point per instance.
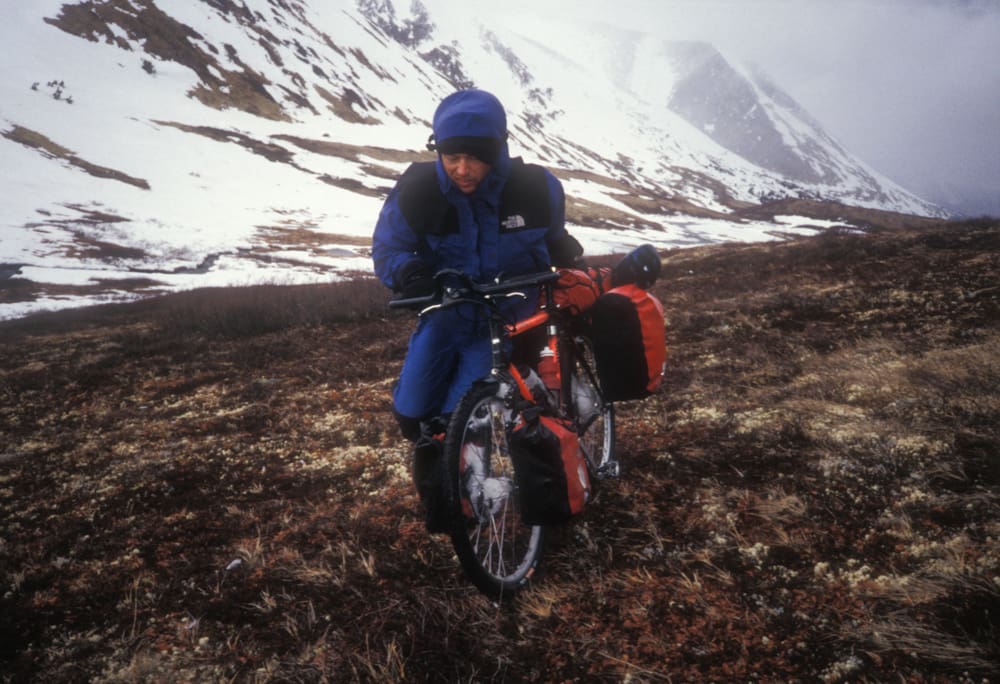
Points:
(912, 87)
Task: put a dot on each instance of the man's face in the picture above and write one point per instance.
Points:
(465, 171)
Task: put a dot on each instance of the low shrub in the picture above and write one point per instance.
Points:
(259, 309)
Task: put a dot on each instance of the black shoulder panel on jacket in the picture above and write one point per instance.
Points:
(423, 204)
(525, 199)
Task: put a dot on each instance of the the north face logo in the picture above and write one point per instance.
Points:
(512, 222)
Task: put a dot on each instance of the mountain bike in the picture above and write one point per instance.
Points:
(499, 552)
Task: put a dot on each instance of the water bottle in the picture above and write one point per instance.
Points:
(548, 369)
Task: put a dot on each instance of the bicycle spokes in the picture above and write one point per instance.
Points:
(497, 550)
(486, 483)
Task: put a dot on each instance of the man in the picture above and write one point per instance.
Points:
(476, 210)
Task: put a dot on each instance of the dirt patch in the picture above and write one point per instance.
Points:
(48, 148)
(211, 486)
(87, 247)
(833, 211)
(150, 29)
(306, 236)
(586, 213)
(269, 151)
(355, 153)
(346, 105)
(642, 200)
(274, 152)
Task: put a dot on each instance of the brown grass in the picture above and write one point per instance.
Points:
(211, 487)
(47, 147)
(168, 39)
(343, 106)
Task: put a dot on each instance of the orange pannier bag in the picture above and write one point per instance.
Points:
(629, 337)
(550, 470)
(578, 289)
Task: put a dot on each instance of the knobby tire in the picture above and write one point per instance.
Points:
(498, 552)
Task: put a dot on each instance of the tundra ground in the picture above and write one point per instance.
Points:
(210, 487)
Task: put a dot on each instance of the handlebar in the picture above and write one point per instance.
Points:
(468, 287)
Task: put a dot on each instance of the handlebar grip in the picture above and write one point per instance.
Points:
(414, 302)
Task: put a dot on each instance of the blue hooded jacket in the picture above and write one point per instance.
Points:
(427, 219)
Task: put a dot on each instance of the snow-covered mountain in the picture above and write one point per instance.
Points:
(151, 145)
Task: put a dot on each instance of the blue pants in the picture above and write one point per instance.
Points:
(449, 350)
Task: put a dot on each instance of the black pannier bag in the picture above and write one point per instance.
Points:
(549, 470)
(630, 348)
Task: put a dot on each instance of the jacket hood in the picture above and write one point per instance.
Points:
(476, 114)
(470, 113)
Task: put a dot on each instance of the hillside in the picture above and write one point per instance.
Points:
(209, 487)
(154, 147)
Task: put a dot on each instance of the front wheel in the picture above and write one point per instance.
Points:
(595, 417)
(498, 552)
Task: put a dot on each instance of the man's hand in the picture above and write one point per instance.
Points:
(415, 280)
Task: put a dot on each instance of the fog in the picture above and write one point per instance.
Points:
(912, 87)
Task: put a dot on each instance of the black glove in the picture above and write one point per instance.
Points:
(414, 280)
(564, 251)
(640, 266)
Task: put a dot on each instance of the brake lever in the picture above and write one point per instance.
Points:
(449, 295)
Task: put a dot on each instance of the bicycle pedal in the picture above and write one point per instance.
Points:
(609, 471)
